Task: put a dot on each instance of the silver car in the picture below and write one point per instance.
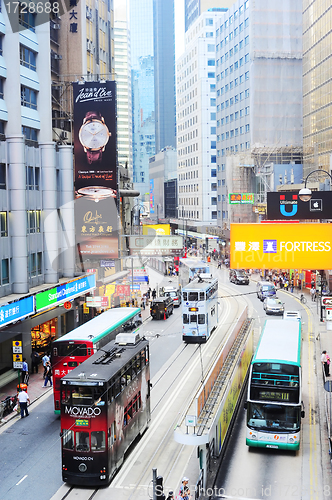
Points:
(273, 306)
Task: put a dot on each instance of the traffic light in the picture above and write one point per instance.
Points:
(159, 488)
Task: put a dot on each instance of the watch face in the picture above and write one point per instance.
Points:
(94, 134)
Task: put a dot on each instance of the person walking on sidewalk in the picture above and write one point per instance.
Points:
(23, 399)
(48, 374)
(34, 361)
(154, 293)
(325, 359)
(45, 359)
(184, 489)
(313, 293)
(25, 372)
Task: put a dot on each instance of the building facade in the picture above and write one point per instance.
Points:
(317, 102)
(259, 97)
(194, 8)
(163, 175)
(196, 121)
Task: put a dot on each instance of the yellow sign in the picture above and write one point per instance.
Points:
(85, 309)
(284, 246)
(17, 357)
(157, 229)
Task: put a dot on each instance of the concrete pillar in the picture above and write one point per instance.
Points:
(67, 219)
(18, 213)
(50, 216)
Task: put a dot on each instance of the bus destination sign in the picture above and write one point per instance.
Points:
(274, 395)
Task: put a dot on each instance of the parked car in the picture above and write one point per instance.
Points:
(161, 308)
(238, 276)
(174, 293)
(265, 289)
(292, 315)
(273, 306)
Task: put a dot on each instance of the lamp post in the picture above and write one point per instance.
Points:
(305, 194)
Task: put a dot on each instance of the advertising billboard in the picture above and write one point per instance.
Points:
(96, 229)
(285, 205)
(95, 139)
(241, 198)
(282, 246)
(157, 229)
(68, 291)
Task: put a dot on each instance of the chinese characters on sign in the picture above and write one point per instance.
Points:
(241, 198)
(156, 245)
(73, 16)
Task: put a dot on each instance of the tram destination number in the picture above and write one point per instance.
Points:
(33, 8)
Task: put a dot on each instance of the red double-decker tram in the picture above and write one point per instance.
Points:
(105, 407)
(72, 349)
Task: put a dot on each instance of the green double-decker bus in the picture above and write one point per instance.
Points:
(274, 405)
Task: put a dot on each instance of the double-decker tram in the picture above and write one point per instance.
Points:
(105, 406)
(190, 269)
(199, 309)
(76, 346)
(274, 407)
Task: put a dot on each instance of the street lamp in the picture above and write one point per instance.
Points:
(305, 193)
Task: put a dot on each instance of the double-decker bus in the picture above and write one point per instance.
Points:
(199, 309)
(105, 406)
(274, 407)
(72, 349)
(190, 269)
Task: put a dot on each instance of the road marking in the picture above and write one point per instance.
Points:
(21, 480)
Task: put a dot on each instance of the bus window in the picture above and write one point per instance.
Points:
(82, 441)
(193, 318)
(201, 319)
(185, 319)
(68, 439)
(71, 349)
(193, 296)
(98, 441)
(184, 295)
(201, 296)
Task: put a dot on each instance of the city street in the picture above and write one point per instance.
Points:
(32, 468)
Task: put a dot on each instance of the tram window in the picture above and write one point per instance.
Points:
(82, 441)
(184, 295)
(111, 435)
(117, 387)
(65, 396)
(193, 318)
(193, 296)
(201, 319)
(185, 319)
(123, 379)
(138, 363)
(147, 356)
(213, 311)
(133, 367)
(143, 359)
(128, 374)
(67, 439)
(98, 394)
(82, 395)
(201, 296)
(98, 441)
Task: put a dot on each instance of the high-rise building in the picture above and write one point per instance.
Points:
(194, 8)
(259, 98)
(153, 92)
(196, 121)
(317, 102)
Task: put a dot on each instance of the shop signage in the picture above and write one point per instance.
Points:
(107, 263)
(67, 305)
(282, 246)
(62, 293)
(159, 245)
(97, 301)
(287, 205)
(16, 310)
(160, 229)
(241, 198)
(327, 301)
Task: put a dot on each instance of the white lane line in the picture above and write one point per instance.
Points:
(21, 480)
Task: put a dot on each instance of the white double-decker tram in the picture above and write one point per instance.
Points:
(199, 309)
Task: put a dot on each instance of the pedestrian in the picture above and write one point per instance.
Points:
(219, 264)
(170, 495)
(48, 374)
(292, 286)
(148, 293)
(45, 359)
(34, 361)
(143, 301)
(25, 372)
(313, 294)
(154, 293)
(184, 489)
(23, 399)
(325, 359)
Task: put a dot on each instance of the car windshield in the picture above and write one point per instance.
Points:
(267, 287)
(273, 417)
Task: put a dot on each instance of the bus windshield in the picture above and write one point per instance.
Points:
(273, 417)
(70, 349)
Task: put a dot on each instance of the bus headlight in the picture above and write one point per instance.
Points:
(82, 468)
(253, 435)
(194, 332)
(292, 439)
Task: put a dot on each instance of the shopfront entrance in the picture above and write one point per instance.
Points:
(43, 335)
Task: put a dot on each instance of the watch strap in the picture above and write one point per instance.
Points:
(93, 115)
(93, 156)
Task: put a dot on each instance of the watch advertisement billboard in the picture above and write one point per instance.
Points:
(285, 205)
(95, 139)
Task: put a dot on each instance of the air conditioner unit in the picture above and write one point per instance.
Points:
(56, 26)
(88, 13)
(63, 135)
(57, 56)
(89, 46)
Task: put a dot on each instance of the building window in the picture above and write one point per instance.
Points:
(247, 127)
(1, 38)
(33, 175)
(209, 34)
(209, 22)
(246, 75)
(213, 201)
(210, 47)
(33, 222)
(5, 271)
(246, 5)
(212, 101)
(214, 215)
(236, 32)
(28, 97)
(211, 62)
(213, 172)
(213, 130)
(1, 88)
(26, 18)
(213, 145)
(27, 58)
(213, 116)
(39, 262)
(3, 224)
(247, 110)
(246, 92)
(212, 87)
(2, 176)
(213, 186)
(29, 133)
(213, 159)
(246, 40)
(32, 265)
(241, 28)
(246, 58)
(236, 64)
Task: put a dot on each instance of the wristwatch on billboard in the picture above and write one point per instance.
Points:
(94, 136)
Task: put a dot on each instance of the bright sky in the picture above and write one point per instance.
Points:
(179, 27)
